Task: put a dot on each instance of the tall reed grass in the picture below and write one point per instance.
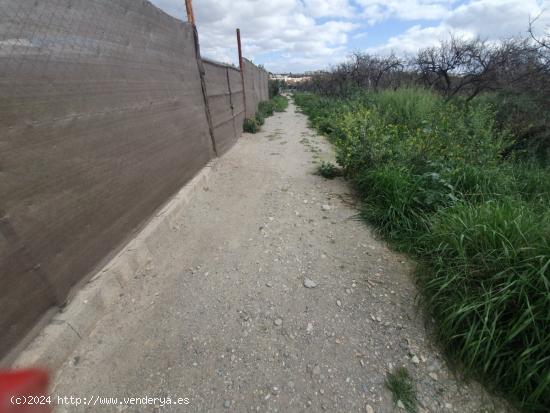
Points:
(434, 182)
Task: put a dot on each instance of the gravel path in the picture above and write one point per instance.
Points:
(223, 315)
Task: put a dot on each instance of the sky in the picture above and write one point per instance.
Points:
(304, 35)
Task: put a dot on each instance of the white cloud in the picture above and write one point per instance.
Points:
(311, 34)
(415, 38)
(378, 10)
(274, 26)
(329, 8)
(487, 19)
(496, 18)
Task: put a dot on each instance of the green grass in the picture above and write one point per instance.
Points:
(400, 383)
(266, 108)
(435, 184)
(280, 103)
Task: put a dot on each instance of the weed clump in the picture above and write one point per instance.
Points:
(400, 383)
(251, 125)
(328, 170)
(266, 108)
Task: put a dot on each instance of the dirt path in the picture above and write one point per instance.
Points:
(225, 320)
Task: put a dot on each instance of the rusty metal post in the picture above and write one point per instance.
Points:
(241, 66)
(190, 14)
(240, 48)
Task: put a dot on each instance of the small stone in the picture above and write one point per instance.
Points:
(448, 406)
(268, 285)
(433, 376)
(309, 283)
(369, 409)
(325, 207)
(400, 404)
(415, 359)
(433, 367)
(339, 303)
(309, 328)
(227, 404)
(275, 391)
(316, 370)
(278, 322)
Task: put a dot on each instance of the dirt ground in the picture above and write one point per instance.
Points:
(222, 315)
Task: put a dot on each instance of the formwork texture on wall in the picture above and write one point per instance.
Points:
(237, 99)
(102, 119)
(256, 86)
(225, 100)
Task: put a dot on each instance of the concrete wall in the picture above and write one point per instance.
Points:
(102, 119)
(256, 87)
(226, 105)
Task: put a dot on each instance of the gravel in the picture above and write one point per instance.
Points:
(220, 340)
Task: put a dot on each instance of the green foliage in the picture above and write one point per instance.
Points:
(260, 118)
(266, 108)
(275, 87)
(436, 184)
(401, 385)
(328, 170)
(527, 115)
(251, 125)
(489, 285)
(280, 103)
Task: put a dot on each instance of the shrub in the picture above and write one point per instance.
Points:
(275, 87)
(328, 170)
(260, 118)
(251, 125)
(266, 108)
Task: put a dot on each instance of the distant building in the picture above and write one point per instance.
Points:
(290, 79)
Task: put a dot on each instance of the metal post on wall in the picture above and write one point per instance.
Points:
(241, 66)
(190, 14)
(191, 19)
